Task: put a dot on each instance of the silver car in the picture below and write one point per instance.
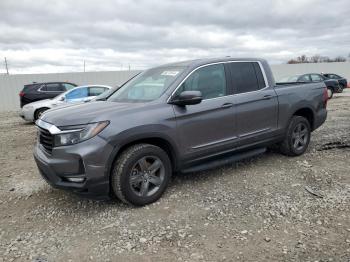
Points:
(31, 112)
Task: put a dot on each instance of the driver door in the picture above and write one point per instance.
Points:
(209, 125)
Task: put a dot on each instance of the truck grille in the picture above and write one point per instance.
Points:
(46, 139)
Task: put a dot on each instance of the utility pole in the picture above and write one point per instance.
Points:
(7, 69)
(129, 67)
(84, 66)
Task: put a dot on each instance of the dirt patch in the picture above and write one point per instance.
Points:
(268, 208)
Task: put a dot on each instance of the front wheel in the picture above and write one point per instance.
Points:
(297, 138)
(141, 174)
(38, 113)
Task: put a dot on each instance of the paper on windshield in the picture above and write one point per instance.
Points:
(169, 73)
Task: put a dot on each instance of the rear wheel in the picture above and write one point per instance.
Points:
(141, 174)
(39, 112)
(297, 138)
(341, 88)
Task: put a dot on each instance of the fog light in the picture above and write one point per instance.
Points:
(75, 179)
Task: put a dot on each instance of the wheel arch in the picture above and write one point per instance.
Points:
(36, 111)
(308, 113)
(156, 140)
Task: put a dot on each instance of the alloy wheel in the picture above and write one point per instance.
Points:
(300, 136)
(147, 175)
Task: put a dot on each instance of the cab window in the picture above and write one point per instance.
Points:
(209, 80)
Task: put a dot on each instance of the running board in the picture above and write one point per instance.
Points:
(224, 161)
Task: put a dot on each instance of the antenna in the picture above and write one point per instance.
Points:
(7, 69)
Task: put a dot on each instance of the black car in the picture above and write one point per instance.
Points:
(342, 81)
(39, 91)
(332, 84)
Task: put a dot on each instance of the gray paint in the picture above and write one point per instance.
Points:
(193, 133)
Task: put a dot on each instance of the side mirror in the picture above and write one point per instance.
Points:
(62, 98)
(87, 99)
(187, 98)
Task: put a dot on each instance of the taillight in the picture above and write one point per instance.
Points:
(21, 93)
(325, 96)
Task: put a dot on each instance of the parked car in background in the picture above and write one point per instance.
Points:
(185, 116)
(108, 93)
(32, 111)
(39, 91)
(343, 82)
(332, 84)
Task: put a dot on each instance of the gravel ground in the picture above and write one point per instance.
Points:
(268, 208)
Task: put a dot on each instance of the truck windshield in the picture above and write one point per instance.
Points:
(147, 86)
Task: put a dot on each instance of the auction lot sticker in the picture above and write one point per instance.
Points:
(169, 73)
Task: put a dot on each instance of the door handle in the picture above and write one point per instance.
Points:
(266, 97)
(227, 105)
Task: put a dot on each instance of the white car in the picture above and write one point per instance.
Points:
(31, 112)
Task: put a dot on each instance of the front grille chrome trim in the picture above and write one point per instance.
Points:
(54, 130)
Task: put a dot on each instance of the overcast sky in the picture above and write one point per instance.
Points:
(39, 36)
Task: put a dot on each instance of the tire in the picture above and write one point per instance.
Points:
(341, 88)
(298, 129)
(39, 112)
(133, 175)
(330, 92)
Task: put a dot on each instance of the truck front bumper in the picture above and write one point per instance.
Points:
(80, 168)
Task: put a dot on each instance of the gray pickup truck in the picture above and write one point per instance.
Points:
(185, 116)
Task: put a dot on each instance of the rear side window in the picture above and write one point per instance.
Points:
(29, 88)
(68, 86)
(54, 87)
(96, 90)
(246, 77)
(209, 80)
(316, 78)
(334, 76)
(304, 78)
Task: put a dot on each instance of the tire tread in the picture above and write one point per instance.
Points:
(119, 167)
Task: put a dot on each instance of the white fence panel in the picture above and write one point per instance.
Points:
(11, 85)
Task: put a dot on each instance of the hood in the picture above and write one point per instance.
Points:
(80, 114)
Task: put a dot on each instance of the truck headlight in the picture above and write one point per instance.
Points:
(76, 134)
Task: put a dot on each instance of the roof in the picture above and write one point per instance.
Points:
(52, 82)
(199, 62)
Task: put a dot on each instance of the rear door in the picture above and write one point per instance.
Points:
(255, 103)
(208, 126)
(50, 90)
